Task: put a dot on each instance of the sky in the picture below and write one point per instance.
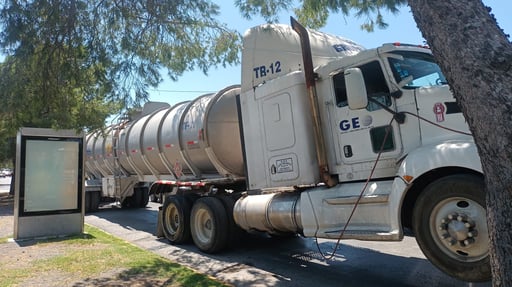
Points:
(402, 28)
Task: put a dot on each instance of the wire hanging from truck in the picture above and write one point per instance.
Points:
(400, 118)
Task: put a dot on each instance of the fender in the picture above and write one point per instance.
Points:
(453, 153)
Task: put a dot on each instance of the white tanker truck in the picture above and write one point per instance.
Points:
(322, 139)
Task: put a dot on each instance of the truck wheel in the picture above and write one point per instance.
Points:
(136, 198)
(209, 224)
(95, 201)
(143, 197)
(176, 219)
(131, 201)
(87, 203)
(127, 202)
(449, 221)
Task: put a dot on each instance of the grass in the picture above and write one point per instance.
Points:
(4, 239)
(88, 257)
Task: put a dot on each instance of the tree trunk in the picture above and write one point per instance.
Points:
(476, 58)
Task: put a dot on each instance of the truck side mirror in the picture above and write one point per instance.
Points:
(356, 89)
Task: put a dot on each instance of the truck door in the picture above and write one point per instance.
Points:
(359, 134)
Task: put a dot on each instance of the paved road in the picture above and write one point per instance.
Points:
(265, 261)
(5, 183)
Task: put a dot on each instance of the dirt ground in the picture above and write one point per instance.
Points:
(22, 254)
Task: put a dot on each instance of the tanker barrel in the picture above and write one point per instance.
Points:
(210, 134)
(191, 140)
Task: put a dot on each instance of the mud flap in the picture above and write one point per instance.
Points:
(159, 230)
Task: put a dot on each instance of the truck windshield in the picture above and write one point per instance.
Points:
(416, 69)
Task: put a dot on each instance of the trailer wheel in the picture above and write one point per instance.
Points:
(209, 224)
(127, 202)
(136, 198)
(130, 201)
(87, 203)
(449, 222)
(176, 219)
(142, 197)
(94, 201)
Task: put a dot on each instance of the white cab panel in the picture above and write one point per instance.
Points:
(278, 134)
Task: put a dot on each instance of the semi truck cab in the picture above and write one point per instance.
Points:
(396, 92)
(395, 140)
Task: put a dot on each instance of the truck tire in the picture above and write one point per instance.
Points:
(87, 203)
(209, 224)
(94, 201)
(129, 202)
(136, 198)
(235, 233)
(449, 222)
(142, 197)
(139, 199)
(176, 219)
